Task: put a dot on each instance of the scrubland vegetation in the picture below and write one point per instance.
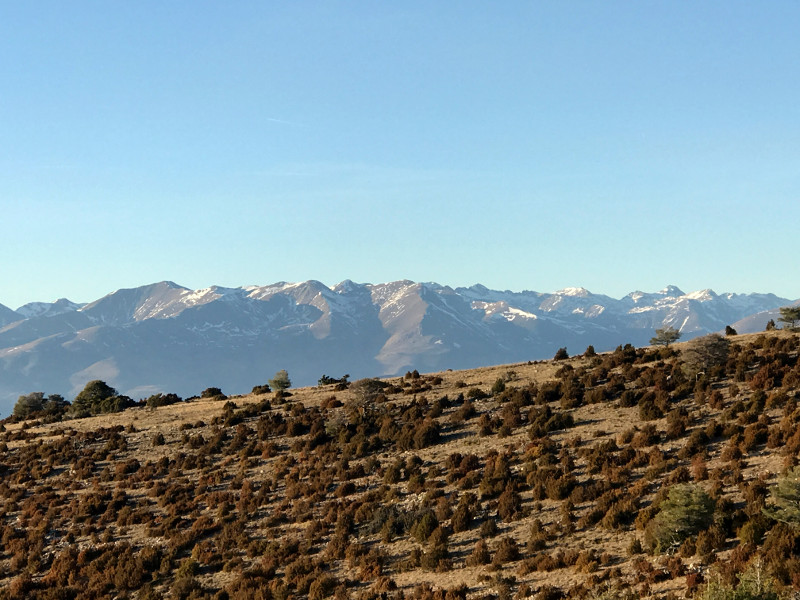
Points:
(666, 472)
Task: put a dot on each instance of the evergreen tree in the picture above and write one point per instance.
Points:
(785, 499)
(99, 397)
(29, 404)
(705, 352)
(280, 381)
(687, 510)
(92, 395)
(754, 584)
(665, 337)
(789, 315)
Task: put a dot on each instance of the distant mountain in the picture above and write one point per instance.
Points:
(165, 337)
(758, 321)
(8, 316)
(47, 309)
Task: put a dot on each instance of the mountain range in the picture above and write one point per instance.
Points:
(167, 338)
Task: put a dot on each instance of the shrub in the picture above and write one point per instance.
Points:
(480, 554)
(507, 551)
(435, 557)
(424, 526)
(29, 404)
(157, 400)
(498, 387)
(426, 434)
(509, 505)
(705, 352)
(785, 499)
(686, 511)
(476, 393)
(322, 587)
(280, 381)
(488, 528)
(367, 390)
(462, 516)
(185, 587)
(99, 397)
(635, 547)
(188, 568)
(753, 584)
(649, 408)
(561, 354)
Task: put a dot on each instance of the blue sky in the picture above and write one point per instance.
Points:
(535, 145)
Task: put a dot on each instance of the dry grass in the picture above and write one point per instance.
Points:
(279, 462)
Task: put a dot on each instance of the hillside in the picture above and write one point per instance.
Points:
(164, 337)
(540, 479)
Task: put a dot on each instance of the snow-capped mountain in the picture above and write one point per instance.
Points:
(165, 337)
(47, 309)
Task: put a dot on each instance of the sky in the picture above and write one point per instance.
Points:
(522, 145)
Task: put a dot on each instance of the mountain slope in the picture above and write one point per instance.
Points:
(620, 475)
(7, 315)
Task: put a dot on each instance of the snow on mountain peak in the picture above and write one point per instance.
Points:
(39, 309)
(369, 329)
(673, 291)
(346, 286)
(701, 295)
(578, 292)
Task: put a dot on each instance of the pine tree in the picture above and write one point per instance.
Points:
(665, 337)
(785, 499)
(705, 352)
(789, 315)
(280, 381)
(687, 510)
(28, 404)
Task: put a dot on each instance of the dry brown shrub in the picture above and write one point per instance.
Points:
(507, 551)
(480, 554)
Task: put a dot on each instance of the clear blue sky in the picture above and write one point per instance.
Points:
(530, 145)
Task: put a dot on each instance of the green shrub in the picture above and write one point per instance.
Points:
(498, 387)
(157, 400)
(753, 584)
(687, 510)
(784, 503)
(476, 393)
(29, 404)
(424, 526)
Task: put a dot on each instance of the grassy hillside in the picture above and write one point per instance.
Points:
(637, 473)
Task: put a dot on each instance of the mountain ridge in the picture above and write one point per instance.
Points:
(166, 337)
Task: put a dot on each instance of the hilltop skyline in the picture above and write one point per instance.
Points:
(65, 303)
